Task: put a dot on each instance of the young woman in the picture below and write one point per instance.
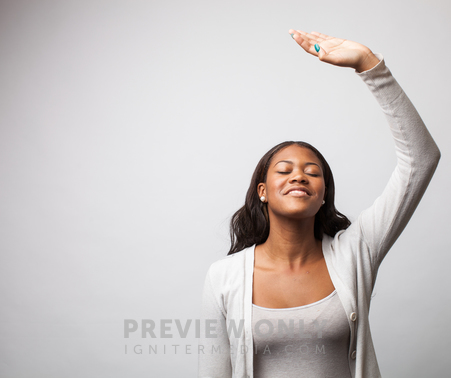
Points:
(292, 298)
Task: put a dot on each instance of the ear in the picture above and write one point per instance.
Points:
(261, 190)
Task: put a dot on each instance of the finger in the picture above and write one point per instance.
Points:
(301, 40)
(322, 54)
(296, 36)
(309, 36)
(311, 46)
(321, 35)
(302, 33)
(317, 36)
(304, 42)
(309, 42)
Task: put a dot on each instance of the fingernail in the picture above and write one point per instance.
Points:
(292, 35)
(316, 47)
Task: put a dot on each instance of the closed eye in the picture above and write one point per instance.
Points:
(284, 173)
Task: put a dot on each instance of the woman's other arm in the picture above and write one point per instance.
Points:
(214, 345)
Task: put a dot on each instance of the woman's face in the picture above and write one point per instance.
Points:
(294, 185)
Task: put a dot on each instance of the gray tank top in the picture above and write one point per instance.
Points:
(306, 341)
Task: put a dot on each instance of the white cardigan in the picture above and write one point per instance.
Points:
(353, 256)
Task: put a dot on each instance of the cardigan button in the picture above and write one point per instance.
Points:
(353, 354)
(353, 316)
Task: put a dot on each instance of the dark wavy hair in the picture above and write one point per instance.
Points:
(250, 224)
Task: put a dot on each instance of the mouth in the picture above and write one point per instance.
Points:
(298, 192)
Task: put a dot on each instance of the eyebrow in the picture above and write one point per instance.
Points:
(290, 162)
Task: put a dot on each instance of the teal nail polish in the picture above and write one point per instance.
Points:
(292, 35)
(316, 47)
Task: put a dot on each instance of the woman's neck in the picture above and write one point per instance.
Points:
(292, 243)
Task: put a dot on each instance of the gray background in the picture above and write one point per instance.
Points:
(129, 133)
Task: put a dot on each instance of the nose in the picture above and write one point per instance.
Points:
(298, 176)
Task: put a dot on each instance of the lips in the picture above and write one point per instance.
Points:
(298, 191)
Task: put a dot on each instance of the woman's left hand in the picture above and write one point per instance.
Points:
(336, 51)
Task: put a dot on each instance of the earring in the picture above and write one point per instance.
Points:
(323, 202)
(262, 198)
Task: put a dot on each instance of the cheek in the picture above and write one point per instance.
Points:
(322, 192)
(274, 186)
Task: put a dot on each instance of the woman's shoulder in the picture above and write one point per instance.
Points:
(229, 261)
(226, 281)
(229, 268)
(344, 241)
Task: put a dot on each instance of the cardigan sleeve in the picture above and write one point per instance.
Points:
(214, 346)
(417, 158)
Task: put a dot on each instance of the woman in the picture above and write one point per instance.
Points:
(292, 298)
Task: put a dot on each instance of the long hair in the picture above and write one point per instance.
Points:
(250, 224)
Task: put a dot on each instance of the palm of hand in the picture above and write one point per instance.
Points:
(342, 52)
(336, 51)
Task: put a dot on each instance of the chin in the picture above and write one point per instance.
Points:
(296, 214)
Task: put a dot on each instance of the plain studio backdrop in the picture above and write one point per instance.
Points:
(129, 133)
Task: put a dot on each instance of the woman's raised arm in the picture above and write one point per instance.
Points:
(417, 153)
